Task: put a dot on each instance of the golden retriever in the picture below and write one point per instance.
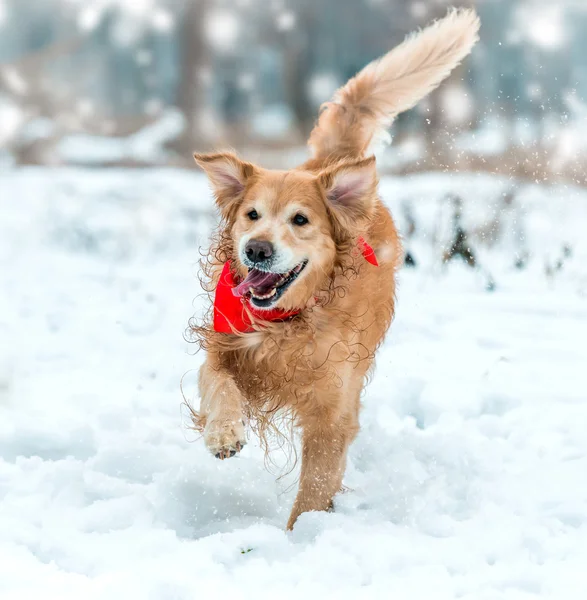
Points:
(293, 250)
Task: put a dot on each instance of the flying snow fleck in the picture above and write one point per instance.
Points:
(456, 104)
(322, 86)
(419, 10)
(222, 30)
(89, 18)
(162, 20)
(286, 21)
(546, 28)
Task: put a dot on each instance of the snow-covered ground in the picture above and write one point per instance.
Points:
(468, 479)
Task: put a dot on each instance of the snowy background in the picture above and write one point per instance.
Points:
(469, 477)
(147, 82)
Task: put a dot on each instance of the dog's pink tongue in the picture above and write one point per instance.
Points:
(259, 280)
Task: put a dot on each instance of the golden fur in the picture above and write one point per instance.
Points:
(313, 367)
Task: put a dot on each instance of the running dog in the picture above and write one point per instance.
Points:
(302, 270)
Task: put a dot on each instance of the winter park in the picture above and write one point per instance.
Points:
(465, 472)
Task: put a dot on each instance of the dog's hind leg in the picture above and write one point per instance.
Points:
(221, 411)
(325, 440)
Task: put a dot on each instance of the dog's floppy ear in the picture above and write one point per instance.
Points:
(228, 176)
(351, 187)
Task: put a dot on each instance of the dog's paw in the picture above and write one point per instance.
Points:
(224, 438)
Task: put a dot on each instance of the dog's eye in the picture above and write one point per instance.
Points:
(299, 219)
(253, 215)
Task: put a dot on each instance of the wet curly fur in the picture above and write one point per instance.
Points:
(309, 371)
(282, 366)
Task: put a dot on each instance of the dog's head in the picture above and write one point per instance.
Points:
(288, 227)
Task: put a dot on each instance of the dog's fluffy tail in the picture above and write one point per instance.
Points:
(363, 109)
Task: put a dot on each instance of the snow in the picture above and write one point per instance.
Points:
(14, 80)
(456, 105)
(163, 20)
(322, 85)
(466, 481)
(222, 30)
(286, 21)
(546, 28)
(275, 121)
(495, 135)
(135, 15)
(146, 145)
(89, 18)
(11, 118)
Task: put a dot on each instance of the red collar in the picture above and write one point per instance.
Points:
(236, 315)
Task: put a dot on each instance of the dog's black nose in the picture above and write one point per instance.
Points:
(258, 250)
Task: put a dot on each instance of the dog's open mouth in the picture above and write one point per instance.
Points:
(266, 288)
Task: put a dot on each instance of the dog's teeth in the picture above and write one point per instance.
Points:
(284, 279)
(264, 296)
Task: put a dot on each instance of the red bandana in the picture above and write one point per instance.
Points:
(233, 314)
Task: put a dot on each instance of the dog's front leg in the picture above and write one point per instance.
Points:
(221, 411)
(325, 440)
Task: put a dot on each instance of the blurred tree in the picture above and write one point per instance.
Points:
(255, 72)
(194, 67)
